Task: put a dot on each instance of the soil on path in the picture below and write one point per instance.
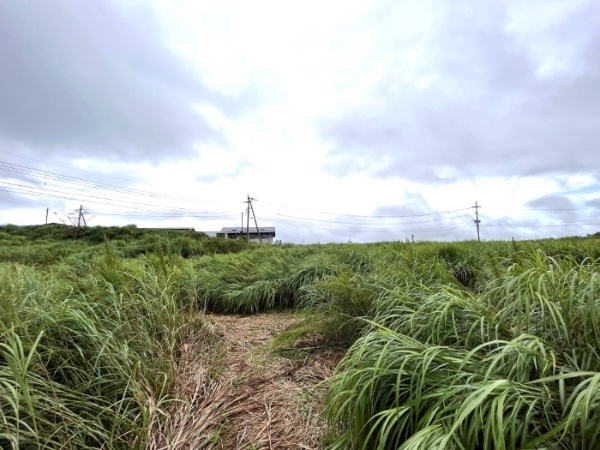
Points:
(276, 402)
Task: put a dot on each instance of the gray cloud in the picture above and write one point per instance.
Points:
(413, 204)
(9, 200)
(557, 207)
(594, 203)
(487, 110)
(86, 78)
(550, 202)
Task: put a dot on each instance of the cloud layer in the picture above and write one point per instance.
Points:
(474, 94)
(89, 77)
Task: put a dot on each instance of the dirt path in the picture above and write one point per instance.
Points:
(277, 400)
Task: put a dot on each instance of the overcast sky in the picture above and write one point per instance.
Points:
(347, 120)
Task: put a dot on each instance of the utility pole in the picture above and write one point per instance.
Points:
(477, 221)
(47, 209)
(249, 202)
(248, 220)
(81, 217)
(241, 232)
(255, 222)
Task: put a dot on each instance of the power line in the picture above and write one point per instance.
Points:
(68, 168)
(143, 206)
(317, 224)
(93, 173)
(158, 215)
(352, 225)
(371, 216)
(541, 209)
(44, 174)
(48, 192)
(80, 182)
(541, 225)
(101, 193)
(26, 190)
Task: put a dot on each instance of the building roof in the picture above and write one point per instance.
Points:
(245, 230)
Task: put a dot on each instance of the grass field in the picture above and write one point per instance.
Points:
(462, 345)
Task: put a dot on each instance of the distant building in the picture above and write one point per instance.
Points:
(264, 234)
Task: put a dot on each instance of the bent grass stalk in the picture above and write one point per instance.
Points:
(514, 367)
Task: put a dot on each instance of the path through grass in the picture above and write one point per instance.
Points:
(278, 399)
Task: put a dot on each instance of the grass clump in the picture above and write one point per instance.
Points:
(513, 367)
(88, 364)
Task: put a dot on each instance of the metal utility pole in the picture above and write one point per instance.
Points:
(47, 209)
(477, 221)
(81, 217)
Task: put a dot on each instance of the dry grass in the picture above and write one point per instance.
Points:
(203, 402)
(276, 402)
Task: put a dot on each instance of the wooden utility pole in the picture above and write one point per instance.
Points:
(477, 221)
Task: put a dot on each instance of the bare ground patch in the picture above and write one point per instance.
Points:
(276, 402)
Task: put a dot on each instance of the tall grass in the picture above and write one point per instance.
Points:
(464, 345)
(260, 280)
(514, 367)
(88, 364)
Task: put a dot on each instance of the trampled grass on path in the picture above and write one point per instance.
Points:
(278, 400)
